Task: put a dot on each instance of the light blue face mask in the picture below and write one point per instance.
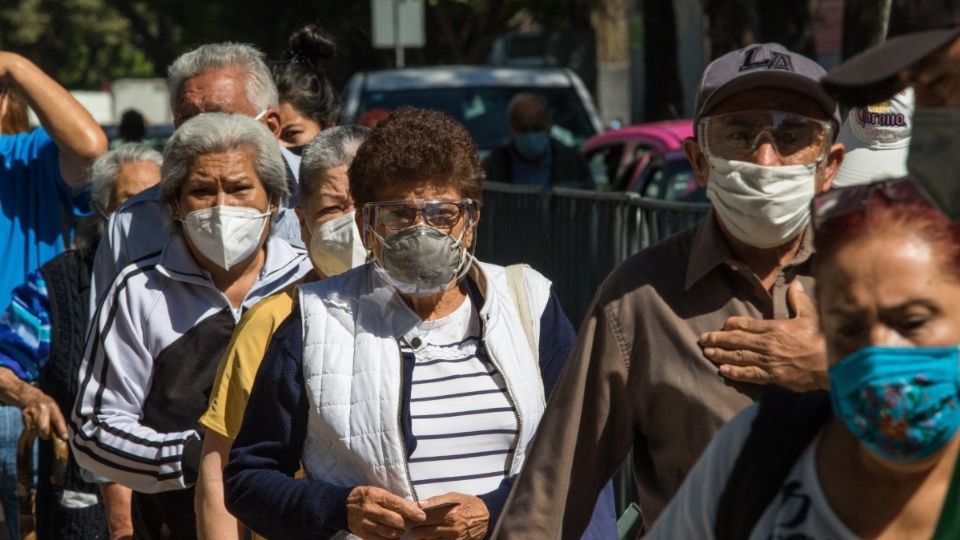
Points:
(532, 145)
(900, 402)
(935, 154)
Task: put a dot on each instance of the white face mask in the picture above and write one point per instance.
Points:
(934, 155)
(224, 234)
(335, 246)
(759, 205)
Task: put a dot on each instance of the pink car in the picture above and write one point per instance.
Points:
(647, 159)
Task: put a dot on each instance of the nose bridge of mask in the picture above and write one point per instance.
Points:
(328, 231)
(335, 246)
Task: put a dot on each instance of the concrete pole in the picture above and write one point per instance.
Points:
(397, 45)
(610, 24)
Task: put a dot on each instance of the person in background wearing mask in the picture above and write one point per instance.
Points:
(41, 346)
(308, 102)
(879, 456)
(334, 244)
(728, 295)
(922, 51)
(216, 77)
(410, 387)
(533, 157)
(158, 336)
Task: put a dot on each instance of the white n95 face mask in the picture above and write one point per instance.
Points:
(224, 234)
(759, 205)
(335, 246)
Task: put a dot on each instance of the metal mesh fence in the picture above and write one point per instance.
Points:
(574, 237)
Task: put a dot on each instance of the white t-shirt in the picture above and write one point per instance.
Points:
(800, 510)
(462, 419)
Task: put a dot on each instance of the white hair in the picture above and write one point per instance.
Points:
(331, 148)
(106, 169)
(209, 133)
(260, 88)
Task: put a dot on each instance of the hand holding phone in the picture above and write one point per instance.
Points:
(439, 506)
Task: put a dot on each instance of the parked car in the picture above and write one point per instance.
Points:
(476, 96)
(647, 159)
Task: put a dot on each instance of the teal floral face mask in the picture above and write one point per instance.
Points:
(902, 403)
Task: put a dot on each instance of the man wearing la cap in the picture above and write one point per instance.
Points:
(875, 139)
(923, 51)
(644, 372)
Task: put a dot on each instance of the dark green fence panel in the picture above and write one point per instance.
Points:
(574, 237)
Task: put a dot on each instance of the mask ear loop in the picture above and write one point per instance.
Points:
(466, 258)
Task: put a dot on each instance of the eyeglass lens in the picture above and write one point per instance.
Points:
(440, 214)
(737, 136)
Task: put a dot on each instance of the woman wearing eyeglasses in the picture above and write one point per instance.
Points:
(409, 388)
(874, 457)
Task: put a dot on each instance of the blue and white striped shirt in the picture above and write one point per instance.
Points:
(462, 417)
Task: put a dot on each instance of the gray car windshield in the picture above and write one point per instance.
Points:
(483, 110)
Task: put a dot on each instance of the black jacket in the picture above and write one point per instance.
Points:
(569, 168)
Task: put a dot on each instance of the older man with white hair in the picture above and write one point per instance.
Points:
(216, 77)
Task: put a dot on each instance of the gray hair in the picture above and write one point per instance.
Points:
(331, 148)
(106, 169)
(261, 90)
(209, 133)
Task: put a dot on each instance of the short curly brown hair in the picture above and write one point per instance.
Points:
(415, 147)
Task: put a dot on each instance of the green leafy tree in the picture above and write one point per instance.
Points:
(84, 43)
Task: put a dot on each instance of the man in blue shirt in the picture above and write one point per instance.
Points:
(533, 157)
(42, 173)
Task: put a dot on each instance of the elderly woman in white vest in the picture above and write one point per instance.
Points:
(163, 325)
(408, 388)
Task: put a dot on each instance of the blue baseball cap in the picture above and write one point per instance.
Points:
(762, 65)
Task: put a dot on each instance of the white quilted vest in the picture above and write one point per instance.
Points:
(352, 371)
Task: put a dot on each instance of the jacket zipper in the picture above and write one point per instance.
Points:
(506, 383)
(403, 441)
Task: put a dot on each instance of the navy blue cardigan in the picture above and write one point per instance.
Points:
(258, 479)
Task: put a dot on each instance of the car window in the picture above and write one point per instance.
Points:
(483, 110)
(674, 181)
(605, 163)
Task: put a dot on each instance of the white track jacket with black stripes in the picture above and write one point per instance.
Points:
(151, 356)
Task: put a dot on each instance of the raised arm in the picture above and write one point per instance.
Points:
(76, 134)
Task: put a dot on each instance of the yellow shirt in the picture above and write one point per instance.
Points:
(239, 365)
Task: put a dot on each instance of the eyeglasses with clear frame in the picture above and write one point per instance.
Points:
(797, 139)
(396, 215)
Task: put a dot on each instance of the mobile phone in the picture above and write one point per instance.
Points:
(439, 506)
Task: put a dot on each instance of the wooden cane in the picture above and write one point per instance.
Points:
(26, 492)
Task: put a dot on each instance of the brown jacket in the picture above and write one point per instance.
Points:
(637, 377)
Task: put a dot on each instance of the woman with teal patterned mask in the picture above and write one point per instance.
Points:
(876, 457)
(889, 300)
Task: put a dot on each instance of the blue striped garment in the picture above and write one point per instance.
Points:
(25, 329)
(461, 414)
